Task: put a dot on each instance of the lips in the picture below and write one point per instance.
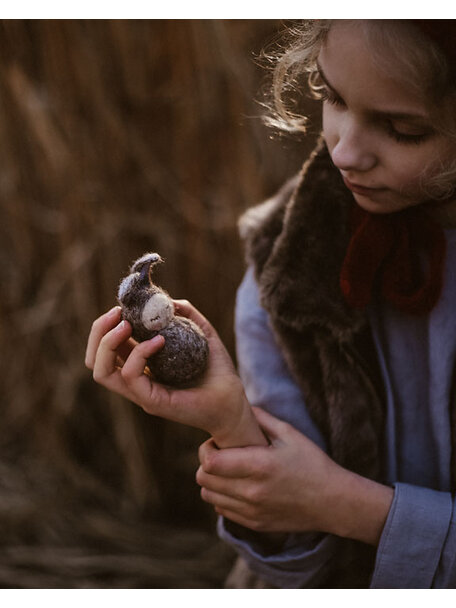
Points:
(358, 189)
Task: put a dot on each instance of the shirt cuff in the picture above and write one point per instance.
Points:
(301, 561)
(413, 538)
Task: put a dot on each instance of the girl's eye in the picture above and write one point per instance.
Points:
(407, 138)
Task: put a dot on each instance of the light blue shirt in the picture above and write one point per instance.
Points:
(417, 548)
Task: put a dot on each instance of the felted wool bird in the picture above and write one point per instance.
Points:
(150, 311)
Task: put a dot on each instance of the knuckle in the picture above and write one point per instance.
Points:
(199, 476)
(283, 428)
(208, 458)
(107, 339)
(260, 466)
(202, 452)
(205, 494)
(254, 494)
(257, 525)
(209, 463)
(98, 326)
(127, 374)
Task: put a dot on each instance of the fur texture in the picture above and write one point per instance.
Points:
(149, 309)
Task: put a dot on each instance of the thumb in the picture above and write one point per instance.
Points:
(272, 426)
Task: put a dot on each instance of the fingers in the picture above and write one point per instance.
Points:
(227, 463)
(225, 492)
(130, 381)
(234, 515)
(233, 462)
(105, 360)
(222, 501)
(236, 499)
(99, 328)
(220, 360)
(133, 369)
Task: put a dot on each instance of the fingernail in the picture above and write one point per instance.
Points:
(122, 325)
(156, 340)
(114, 311)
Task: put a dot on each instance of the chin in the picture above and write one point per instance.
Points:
(373, 205)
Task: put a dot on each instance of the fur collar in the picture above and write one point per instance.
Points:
(297, 241)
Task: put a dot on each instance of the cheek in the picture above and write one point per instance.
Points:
(407, 170)
(413, 166)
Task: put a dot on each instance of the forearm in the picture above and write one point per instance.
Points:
(360, 507)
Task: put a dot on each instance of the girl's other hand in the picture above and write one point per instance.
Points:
(217, 405)
(291, 486)
(280, 488)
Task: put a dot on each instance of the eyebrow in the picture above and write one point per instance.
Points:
(380, 113)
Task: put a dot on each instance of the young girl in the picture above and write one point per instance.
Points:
(342, 472)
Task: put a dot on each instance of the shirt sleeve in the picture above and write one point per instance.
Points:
(265, 375)
(303, 559)
(417, 548)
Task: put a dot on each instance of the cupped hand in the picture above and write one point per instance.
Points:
(217, 405)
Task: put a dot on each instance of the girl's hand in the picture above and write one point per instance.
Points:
(218, 405)
(290, 486)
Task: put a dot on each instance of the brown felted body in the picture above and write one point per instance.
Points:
(183, 359)
(150, 311)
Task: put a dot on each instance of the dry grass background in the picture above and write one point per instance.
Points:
(116, 138)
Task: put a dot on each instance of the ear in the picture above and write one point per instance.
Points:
(149, 259)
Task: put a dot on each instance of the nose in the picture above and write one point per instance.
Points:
(353, 150)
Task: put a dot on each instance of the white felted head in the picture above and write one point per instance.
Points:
(157, 312)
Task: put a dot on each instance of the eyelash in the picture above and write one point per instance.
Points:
(327, 95)
(403, 138)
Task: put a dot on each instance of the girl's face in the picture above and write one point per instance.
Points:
(378, 132)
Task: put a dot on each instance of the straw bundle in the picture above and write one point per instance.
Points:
(117, 137)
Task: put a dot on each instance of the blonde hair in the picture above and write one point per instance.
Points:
(424, 67)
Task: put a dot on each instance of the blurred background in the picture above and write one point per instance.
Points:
(117, 138)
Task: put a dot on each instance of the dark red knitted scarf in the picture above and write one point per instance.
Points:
(399, 256)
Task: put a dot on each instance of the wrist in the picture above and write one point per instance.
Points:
(242, 431)
(360, 507)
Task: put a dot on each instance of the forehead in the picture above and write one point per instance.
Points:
(350, 61)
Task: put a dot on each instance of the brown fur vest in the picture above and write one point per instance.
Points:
(296, 242)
